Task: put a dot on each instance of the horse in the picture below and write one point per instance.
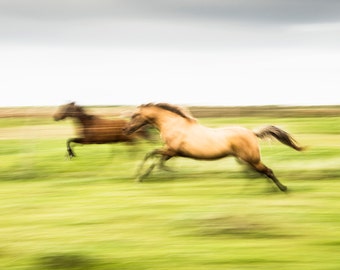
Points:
(94, 129)
(184, 136)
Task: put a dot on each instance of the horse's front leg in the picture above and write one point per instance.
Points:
(162, 161)
(70, 151)
(149, 155)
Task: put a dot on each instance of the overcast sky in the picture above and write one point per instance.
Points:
(190, 52)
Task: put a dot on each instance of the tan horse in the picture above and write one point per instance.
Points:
(185, 137)
(94, 129)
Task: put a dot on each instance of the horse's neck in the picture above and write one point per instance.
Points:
(84, 119)
(170, 122)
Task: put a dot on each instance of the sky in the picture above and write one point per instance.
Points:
(185, 52)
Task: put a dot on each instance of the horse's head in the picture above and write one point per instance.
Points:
(68, 110)
(154, 114)
(138, 120)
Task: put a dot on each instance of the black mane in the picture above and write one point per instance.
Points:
(172, 108)
(83, 112)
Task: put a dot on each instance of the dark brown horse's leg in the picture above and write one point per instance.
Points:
(261, 168)
(70, 152)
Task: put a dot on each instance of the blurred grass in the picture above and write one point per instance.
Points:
(88, 213)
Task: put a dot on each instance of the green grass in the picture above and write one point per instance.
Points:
(88, 213)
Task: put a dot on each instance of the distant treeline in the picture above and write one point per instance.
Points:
(197, 111)
(266, 111)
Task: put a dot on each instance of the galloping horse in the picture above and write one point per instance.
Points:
(95, 130)
(185, 137)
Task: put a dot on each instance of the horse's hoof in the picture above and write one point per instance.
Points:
(70, 156)
(139, 179)
(284, 189)
(165, 168)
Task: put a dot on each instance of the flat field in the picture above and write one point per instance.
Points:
(89, 213)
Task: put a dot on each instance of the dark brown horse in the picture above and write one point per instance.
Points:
(95, 130)
(183, 136)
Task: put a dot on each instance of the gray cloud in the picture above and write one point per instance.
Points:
(268, 11)
(164, 22)
(275, 11)
(68, 46)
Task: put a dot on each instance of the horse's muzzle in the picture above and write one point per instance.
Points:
(56, 117)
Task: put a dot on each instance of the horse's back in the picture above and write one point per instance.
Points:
(237, 132)
(244, 143)
(226, 133)
(102, 130)
(107, 125)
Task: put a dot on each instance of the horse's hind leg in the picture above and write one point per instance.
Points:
(261, 168)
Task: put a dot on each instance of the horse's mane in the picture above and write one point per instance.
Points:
(83, 112)
(172, 108)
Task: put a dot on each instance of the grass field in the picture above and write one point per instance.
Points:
(88, 213)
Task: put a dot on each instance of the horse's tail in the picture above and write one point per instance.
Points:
(280, 135)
